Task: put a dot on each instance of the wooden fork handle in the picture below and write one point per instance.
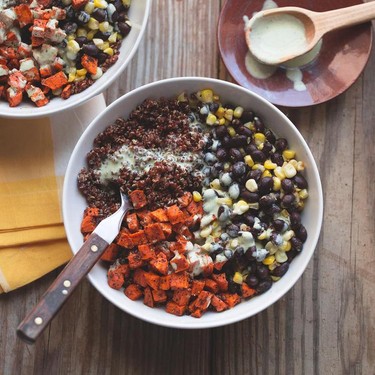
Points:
(61, 289)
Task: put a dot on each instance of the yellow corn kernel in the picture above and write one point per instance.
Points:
(211, 119)
(222, 121)
(281, 257)
(238, 111)
(93, 24)
(237, 278)
(229, 114)
(197, 197)
(279, 173)
(112, 38)
(254, 206)
(285, 246)
(91, 34)
(205, 232)
(259, 138)
(71, 77)
(250, 125)
(231, 131)
(251, 185)
(215, 184)
(268, 164)
(300, 166)
(294, 162)
(220, 112)
(266, 173)
(104, 26)
(272, 266)
(249, 160)
(301, 205)
(206, 96)
(289, 154)
(81, 31)
(271, 247)
(81, 72)
(263, 235)
(79, 78)
(288, 235)
(71, 37)
(258, 166)
(276, 183)
(269, 260)
(240, 207)
(303, 194)
(289, 170)
(109, 51)
(102, 4)
(228, 201)
(103, 46)
(89, 7)
(275, 278)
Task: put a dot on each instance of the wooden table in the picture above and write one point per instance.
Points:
(324, 325)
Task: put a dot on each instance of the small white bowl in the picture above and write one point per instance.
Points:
(74, 203)
(138, 15)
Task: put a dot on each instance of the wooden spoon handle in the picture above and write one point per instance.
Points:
(61, 289)
(349, 16)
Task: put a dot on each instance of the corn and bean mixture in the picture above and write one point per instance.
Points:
(57, 48)
(217, 202)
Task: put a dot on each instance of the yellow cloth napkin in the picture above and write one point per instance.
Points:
(33, 157)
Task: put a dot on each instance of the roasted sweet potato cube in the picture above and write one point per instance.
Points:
(167, 229)
(89, 63)
(132, 222)
(159, 215)
(133, 291)
(138, 238)
(160, 264)
(179, 280)
(115, 279)
(211, 286)
(152, 280)
(145, 217)
(139, 277)
(195, 208)
(197, 313)
(203, 300)
(24, 14)
(55, 81)
(110, 253)
(138, 198)
(179, 246)
(221, 280)
(165, 282)
(147, 252)
(154, 233)
(159, 296)
(175, 215)
(124, 240)
(231, 299)
(179, 263)
(185, 199)
(175, 309)
(197, 286)
(182, 296)
(247, 291)
(135, 260)
(88, 224)
(218, 304)
(148, 299)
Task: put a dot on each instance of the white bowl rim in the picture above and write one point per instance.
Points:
(72, 103)
(220, 321)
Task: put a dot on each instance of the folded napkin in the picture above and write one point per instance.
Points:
(33, 158)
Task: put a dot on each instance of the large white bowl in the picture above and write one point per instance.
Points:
(138, 15)
(74, 203)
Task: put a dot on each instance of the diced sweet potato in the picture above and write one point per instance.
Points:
(67, 92)
(167, 229)
(55, 81)
(148, 300)
(231, 299)
(203, 300)
(175, 309)
(195, 208)
(115, 279)
(179, 263)
(124, 240)
(218, 304)
(160, 264)
(89, 63)
(135, 260)
(92, 211)
(179, 246)
(110, 253)
(138, 198)
(185, 199)
(221, 280)
(159, 215)
(139, 277)
(159, 296)
(211, 286)
(247, 291)
(197, 286)
(133, 291)
(138, 238)
(182, 296)
(165, 282)
(152, 280)
(154, 232)
(88, 224)
(147, 252)
(179, 280)
(24, 14)
(175, 215)
(197, 313)
(132, 222)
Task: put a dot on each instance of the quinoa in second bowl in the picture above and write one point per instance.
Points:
(217, 200)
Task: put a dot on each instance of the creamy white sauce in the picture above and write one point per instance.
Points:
(275, 37)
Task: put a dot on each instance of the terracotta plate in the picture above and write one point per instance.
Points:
(342, 58)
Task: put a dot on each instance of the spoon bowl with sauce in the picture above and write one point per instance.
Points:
(278, 35)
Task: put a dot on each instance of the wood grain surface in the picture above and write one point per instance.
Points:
(324, 325)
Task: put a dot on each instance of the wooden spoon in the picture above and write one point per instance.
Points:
(316, 24)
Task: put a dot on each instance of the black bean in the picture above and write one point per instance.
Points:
(267, 147)
(248, 196)
(296, 243)
(247, 116)
(281, 270)
(210, 158)
(235, 154)
(90, 49)
(236, 123)
(225, 141)
(252, 280)
(102, 35)
(248, 219)
(250, 148)
(213, 107)
(270, 136)
(219, 166)
(124, 28)
(222, 154)
(265, 184)
(266, 201)
(118, 5)
(99, 14)
(82, 17)
(81, 40)
(277, 159)
(232, 230)
(254, 174)
(214, 173)
(272, 210)
(278, 225)
(239, 141)
(239, 169)
(259, 126)
(301, 233)
(233, 287)
(295, 219)
(243, 130)
(287, 185)
(258, 156)
(287, 200)
(221, 132)
(262, 272)
(300, 181)
(281, 144)
(101, 56)
(264, 286)
(70, 27)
